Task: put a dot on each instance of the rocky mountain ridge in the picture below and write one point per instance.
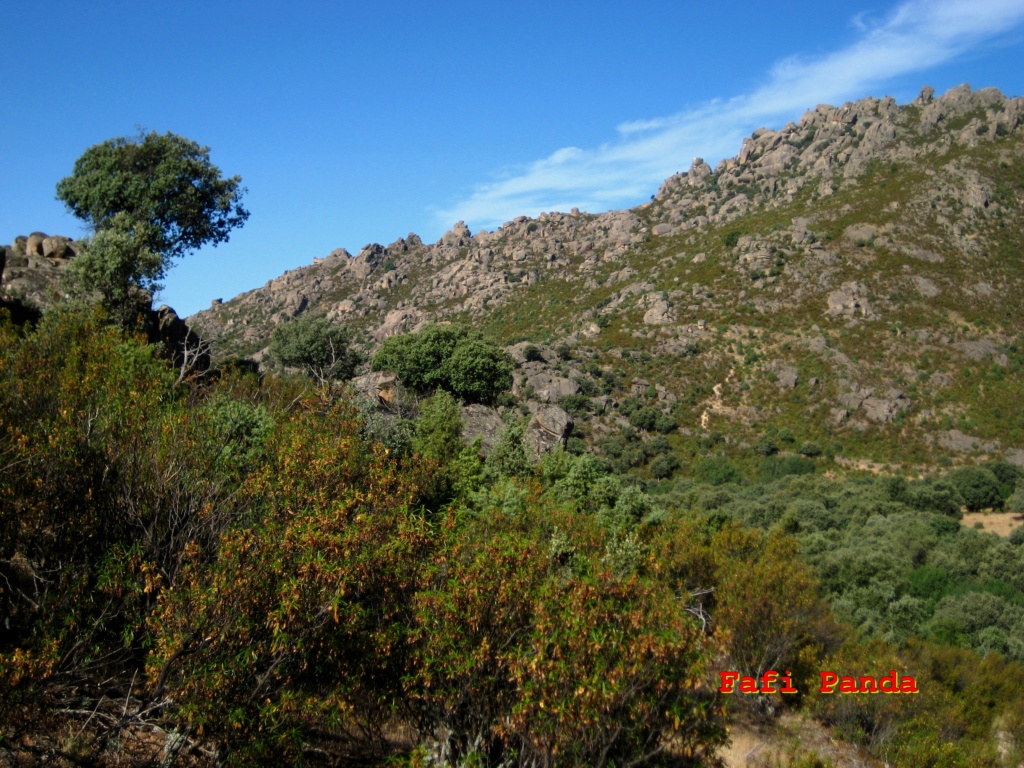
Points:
(854, 273)
(472, 273)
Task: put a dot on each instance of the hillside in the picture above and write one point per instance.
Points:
(850, 282)
(209, 565)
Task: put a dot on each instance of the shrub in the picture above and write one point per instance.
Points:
(298, 619)
(577, 405)
(810, 449)
(644, 418)
(766, 445)
(575, 445)
(320, 348)
(718, 470)
(448, 357)
(419, 358)
(1016, 501)
(664, 466)
(774, 467)
(665, 424)
(768, 605)
(515, 663)
(1006, 474)
(978, 487)
(587, 386)
(439, 429)
(478, 371)
(241, 429)
(509, 457)
(532, 354)
(935, 496)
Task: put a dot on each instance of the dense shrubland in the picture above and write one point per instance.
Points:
(271, 573)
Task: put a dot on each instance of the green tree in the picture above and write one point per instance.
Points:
(979, 488)
(166, 184)
(322, 349)
(439, 429)
(148, 200)
(448, 357)
(117, 264)
(418, 358)
(478, 371)
(509, 457)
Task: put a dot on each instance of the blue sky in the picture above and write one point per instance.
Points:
(361, 122)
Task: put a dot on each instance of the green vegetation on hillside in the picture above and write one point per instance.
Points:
(246, 566)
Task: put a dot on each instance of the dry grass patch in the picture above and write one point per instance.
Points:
(1000, 523)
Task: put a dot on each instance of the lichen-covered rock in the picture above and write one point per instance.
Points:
(483, 422)
(534, 381)
(660, 312)
(549, 427)
(850, 300)
(884, 409)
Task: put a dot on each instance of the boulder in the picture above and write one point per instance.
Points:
(458, 235)
(548, 428)
(788, 376)
(957, 442)
(189, 353)
(397, 320)
(34, 243)
(57, 248)
(925, 287)
(379, 386)
(698, 171)
(483, 422)
(884, 409)
(849, 301)
(547, 388)
(659, 314)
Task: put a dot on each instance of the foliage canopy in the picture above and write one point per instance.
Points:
(448, 357)
(165, 182)
(322, 349)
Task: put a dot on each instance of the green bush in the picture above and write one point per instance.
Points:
(532, 354)
(1006, 474)
(577, 405)
(439, 429)
(978, 487)
(766, 445)
(478, 371)
(718, 471)
(644, 418)
(321, 349)
(448, 357)
(664, 465)
(774, 467)
(810, 450)
(665, 424)
(241, 429)
(510, 456)
(935, 496)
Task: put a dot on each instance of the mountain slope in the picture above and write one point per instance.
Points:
(848, 284)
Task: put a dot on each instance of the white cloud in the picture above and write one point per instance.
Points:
(915, 36)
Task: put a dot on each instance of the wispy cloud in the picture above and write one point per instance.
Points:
(915, 36)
